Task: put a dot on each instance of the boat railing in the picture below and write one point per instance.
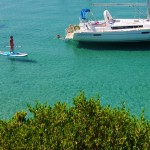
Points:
(147, 4)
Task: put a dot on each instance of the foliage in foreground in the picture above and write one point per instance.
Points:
(84, 126)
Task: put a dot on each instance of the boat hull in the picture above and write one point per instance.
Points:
(114, 36)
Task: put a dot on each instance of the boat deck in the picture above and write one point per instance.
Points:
(69, 36)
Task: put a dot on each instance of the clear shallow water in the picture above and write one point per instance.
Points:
(56, 70)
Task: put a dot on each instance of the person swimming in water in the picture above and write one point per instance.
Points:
(58, 36)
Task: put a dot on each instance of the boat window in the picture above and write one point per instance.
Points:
(145, 32)
(126, 27)
(96, 34)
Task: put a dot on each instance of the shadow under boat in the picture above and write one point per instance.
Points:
(129, 46)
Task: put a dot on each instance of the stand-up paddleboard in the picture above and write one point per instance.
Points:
(15, 54)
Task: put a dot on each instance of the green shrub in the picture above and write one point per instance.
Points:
(86, 125)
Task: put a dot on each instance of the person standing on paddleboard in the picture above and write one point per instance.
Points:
(11, 44)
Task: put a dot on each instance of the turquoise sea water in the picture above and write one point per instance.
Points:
(56, 70)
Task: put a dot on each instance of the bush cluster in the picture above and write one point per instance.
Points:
(86, 125)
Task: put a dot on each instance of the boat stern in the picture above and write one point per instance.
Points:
(69, 36)
(70, 31)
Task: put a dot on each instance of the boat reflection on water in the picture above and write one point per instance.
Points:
(122, 46)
